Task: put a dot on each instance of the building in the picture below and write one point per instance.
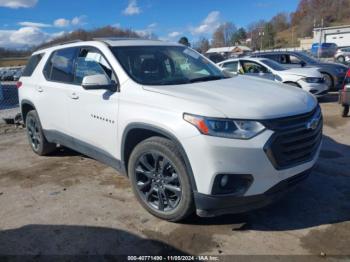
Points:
(306, 43)
(230, 50)
(339, 35)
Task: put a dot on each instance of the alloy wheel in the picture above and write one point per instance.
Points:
(34, 133)
(158, 182)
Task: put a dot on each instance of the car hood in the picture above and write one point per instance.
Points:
(328, 65)
(305, 72)
(243, 97)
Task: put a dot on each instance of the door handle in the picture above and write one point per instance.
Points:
(74, 96)
(40, 89)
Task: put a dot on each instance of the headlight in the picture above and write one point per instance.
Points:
(237, 129)
(314, 80)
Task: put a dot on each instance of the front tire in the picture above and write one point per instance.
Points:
(36, 137)
(341, 59)
(345, 111)
(328, 80)
(159, 179)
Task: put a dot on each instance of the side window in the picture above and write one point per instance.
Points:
(32, 64)
(60, 68)
(284, 59)
(91, 62)
(253, 68)
(231, 66)
(273, 57)
(294, 60)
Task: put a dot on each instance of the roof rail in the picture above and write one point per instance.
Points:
(105, 39)
(115, 38)
(58, 44)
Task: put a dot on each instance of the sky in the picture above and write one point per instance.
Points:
(24, 23)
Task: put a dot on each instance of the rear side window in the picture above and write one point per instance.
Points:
(32, 64)
(60, 67)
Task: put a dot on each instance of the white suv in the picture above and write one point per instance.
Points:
(187, 137)
(309, 79)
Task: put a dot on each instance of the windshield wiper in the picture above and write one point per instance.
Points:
(206, 78)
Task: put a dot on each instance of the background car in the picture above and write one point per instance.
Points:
(17, 75)
(324, 50)
(214, 57)
(8, 76)
(333, 73)
(309, 79)
(341, 54)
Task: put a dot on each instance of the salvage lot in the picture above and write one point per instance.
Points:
(70, 204)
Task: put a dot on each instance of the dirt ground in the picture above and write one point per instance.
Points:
(70, 204)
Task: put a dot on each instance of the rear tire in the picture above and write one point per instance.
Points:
(345, 111)
(159, 179)
(36, 137)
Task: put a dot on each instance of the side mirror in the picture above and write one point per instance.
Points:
(98, 82)
(228, 73)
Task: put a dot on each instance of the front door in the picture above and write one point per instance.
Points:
(255, 69)
(93, 113)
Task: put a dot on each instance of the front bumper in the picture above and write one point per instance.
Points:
(211, 156)
(209, 205)
(317, 89)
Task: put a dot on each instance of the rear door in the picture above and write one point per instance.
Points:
(93, 114)
(53, 93)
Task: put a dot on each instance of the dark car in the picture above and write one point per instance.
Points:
(8, 76)
(326, 49)
(215, 57)
(333, 73)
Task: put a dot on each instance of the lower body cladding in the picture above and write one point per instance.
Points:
(235, 176)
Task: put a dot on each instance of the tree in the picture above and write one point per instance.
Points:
(280, 22)
(223, 35)
(184, 41)
(239, 36)
(202, 45)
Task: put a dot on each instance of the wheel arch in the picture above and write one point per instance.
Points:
(135, 133)
(26, 107)
(291, 82)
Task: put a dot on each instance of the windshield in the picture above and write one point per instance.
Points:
(165, 65)
(274, 65)
(308, 59)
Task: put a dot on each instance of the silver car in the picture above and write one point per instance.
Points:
(341, 54)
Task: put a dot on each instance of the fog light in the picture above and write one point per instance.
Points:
(224, 181)
(233, 184)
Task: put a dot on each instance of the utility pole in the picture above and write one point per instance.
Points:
(261, 34)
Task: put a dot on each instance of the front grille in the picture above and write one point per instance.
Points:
(296, 139)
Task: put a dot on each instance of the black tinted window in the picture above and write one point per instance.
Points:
(272, 57)
(60, 68)
(32, 64)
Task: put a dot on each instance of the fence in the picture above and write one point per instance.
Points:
(9, 104)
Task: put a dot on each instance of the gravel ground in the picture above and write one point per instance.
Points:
(70, 204)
